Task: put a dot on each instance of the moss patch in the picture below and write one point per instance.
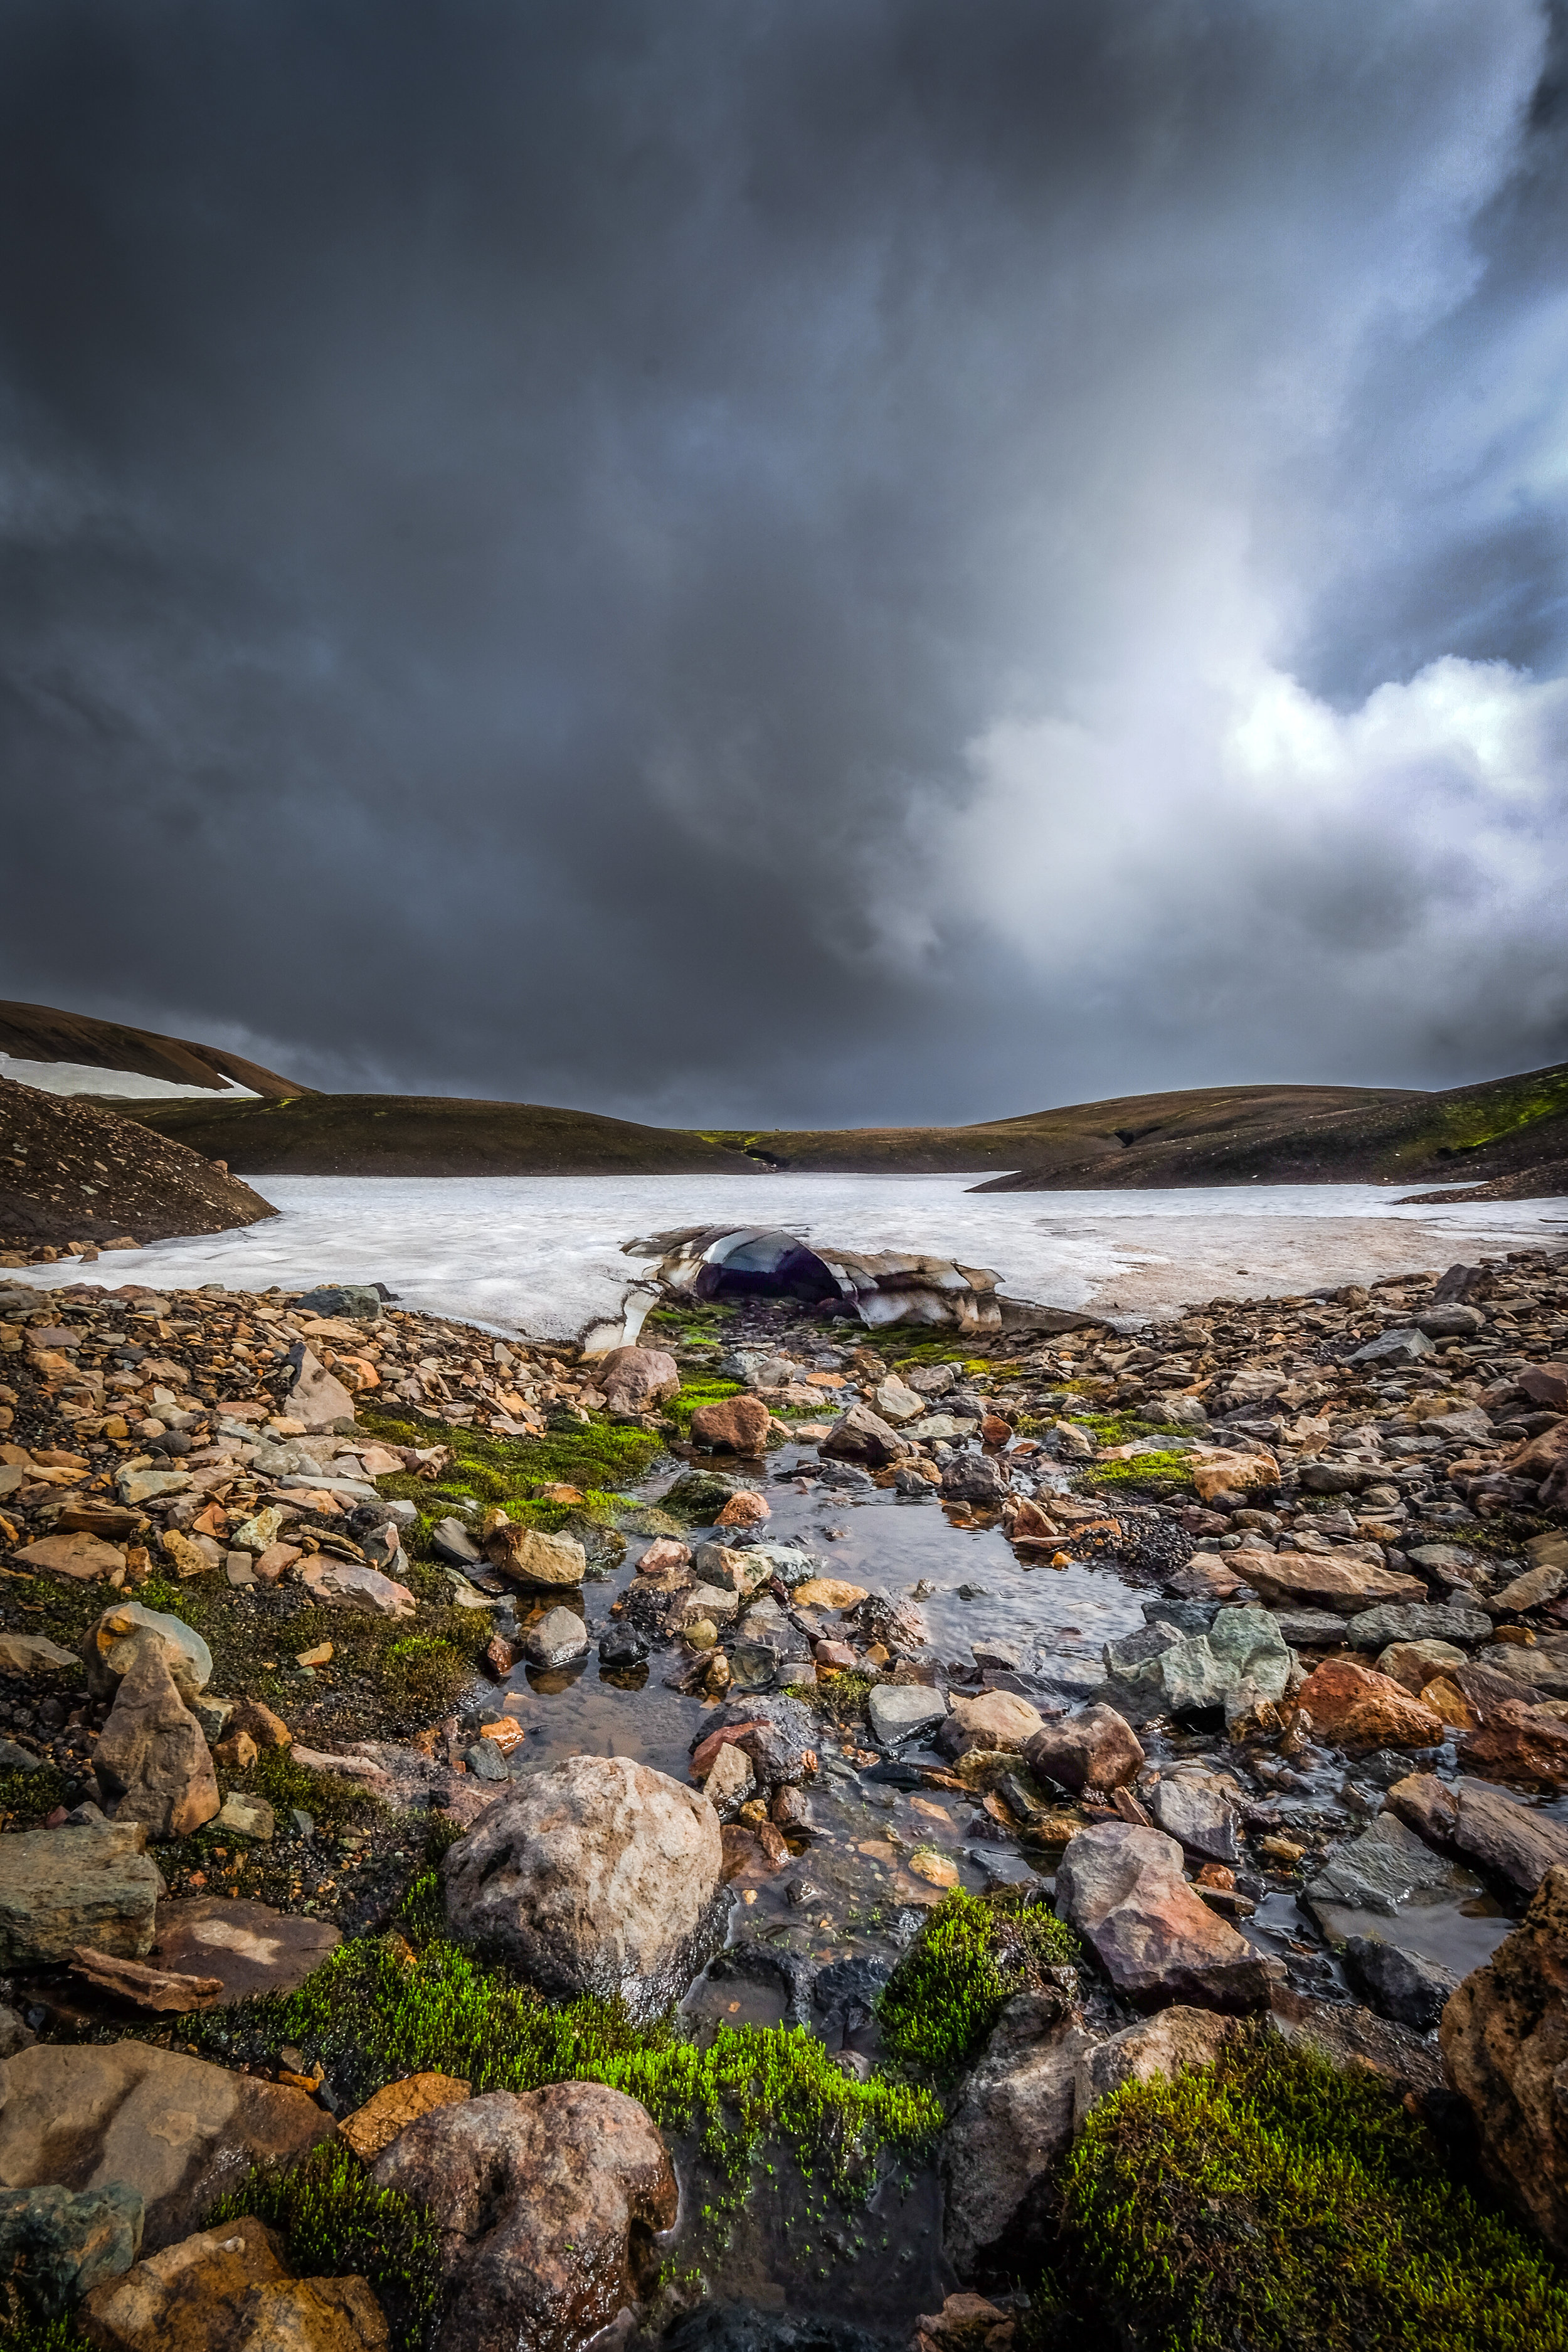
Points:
(378, 2009)
(1278, 2205)
(336, 2223)
(973, 1953)
(1165, 1470)
(27, 1799)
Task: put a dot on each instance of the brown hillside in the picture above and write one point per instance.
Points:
(36, 1033)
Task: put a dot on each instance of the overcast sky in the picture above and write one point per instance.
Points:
(794, 562)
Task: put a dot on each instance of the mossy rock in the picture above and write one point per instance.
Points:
(974, 1953)
(1278, 2205)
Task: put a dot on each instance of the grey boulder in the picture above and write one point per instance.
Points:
(65, 1887)
(559, 1637)
(1400, 1985)
(599, 1876)
(57, 2245)
(1008, 2134)
(1375, 1629)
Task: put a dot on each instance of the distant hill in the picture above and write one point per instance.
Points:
(1511, 1131)
(432, 1135)
(37, 1032)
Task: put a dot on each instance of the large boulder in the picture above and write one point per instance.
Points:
(1122, 1888)
(861, 1435)
(975, 1478)
(1008, 2134)
(737, 1424)
(61, 1889)
(597, 1876)
(543, 2205)
(1355, 1708)
(152, 1762)
(1095, 1748)
(1239, 1664)
(174, 2129)
(634, 1379)
(1375, 1629)
(1504, 2038)
(229, 2290)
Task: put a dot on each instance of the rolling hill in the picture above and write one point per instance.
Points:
(37, 1032)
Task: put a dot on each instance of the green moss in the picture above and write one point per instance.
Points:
(973, 1953)
(1164, 1469)
(695, 1324)
(423, 1674)
(842, 1698)
(336, 2223)
(375, 2012)
(330, 1801)
(694, 1394)
(599, 1456)
(1276, 2204)
(28, 1798)
(44, 2336)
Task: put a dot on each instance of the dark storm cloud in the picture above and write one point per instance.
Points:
(815, 562)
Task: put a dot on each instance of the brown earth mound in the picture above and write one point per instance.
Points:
(71, 1172)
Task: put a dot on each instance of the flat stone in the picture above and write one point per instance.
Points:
(247, 1817)
(1337, 1580)
(138, 1487)
(83, 1558)
(1511, 1841)
(1405, 1985)
(34, 1653)
(1385, 1866)
(1197, 1810)
(174, 2128)
(315, 1399)
(898, 1711)
(1375, 1629)
(1311, 1629)
(164, 1992)
(1400, 1347)
(373, 2127)
(65, 1887)
(248, 1947)
(1533, 1589)
(347, 1584)
(452, 1540)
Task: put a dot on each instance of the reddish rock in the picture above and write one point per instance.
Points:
(267, 1730)
(739, 1425)
(1519, 1744)
(704, 1754)
(151, 1763)
(1095, 1748)
(664, 1557)
(499, 1658)
(1547, 1384)
(543, 2205)
(745, 1509)
(1356, 1707)
(1123, 1889)
(1504, 2037)
(634, 1379)
(1500, 1833)
(861, 1435)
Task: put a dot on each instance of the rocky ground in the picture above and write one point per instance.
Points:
(74, 1177)
(1218, 1990)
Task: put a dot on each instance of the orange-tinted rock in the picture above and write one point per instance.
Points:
(745, 1509)
(1355, 1708)
(1519, 1744)
(739, 1425)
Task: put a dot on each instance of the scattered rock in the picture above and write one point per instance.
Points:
(861, 1435)
(635, 1380)
(1533, 1589)
(1123, 1889)
(34, 1653)
(596, 1876)
(162, 1990)
(347, 1584)
(1331, 1580)
(229, 2290)
(1198, 1809)
(82, 1558)
(997, 1718)
(151, 1763)
(316, 1401)
(737, 1424)
(1500, 1834)
(531, 1557)
(538, 2201)
(1007, 2136)
(557, 1638)
(125, 1630)
(1414, 1665)
(1398, 1984)
(1095, 1748)
(1376, 1629)
(900, 1711)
